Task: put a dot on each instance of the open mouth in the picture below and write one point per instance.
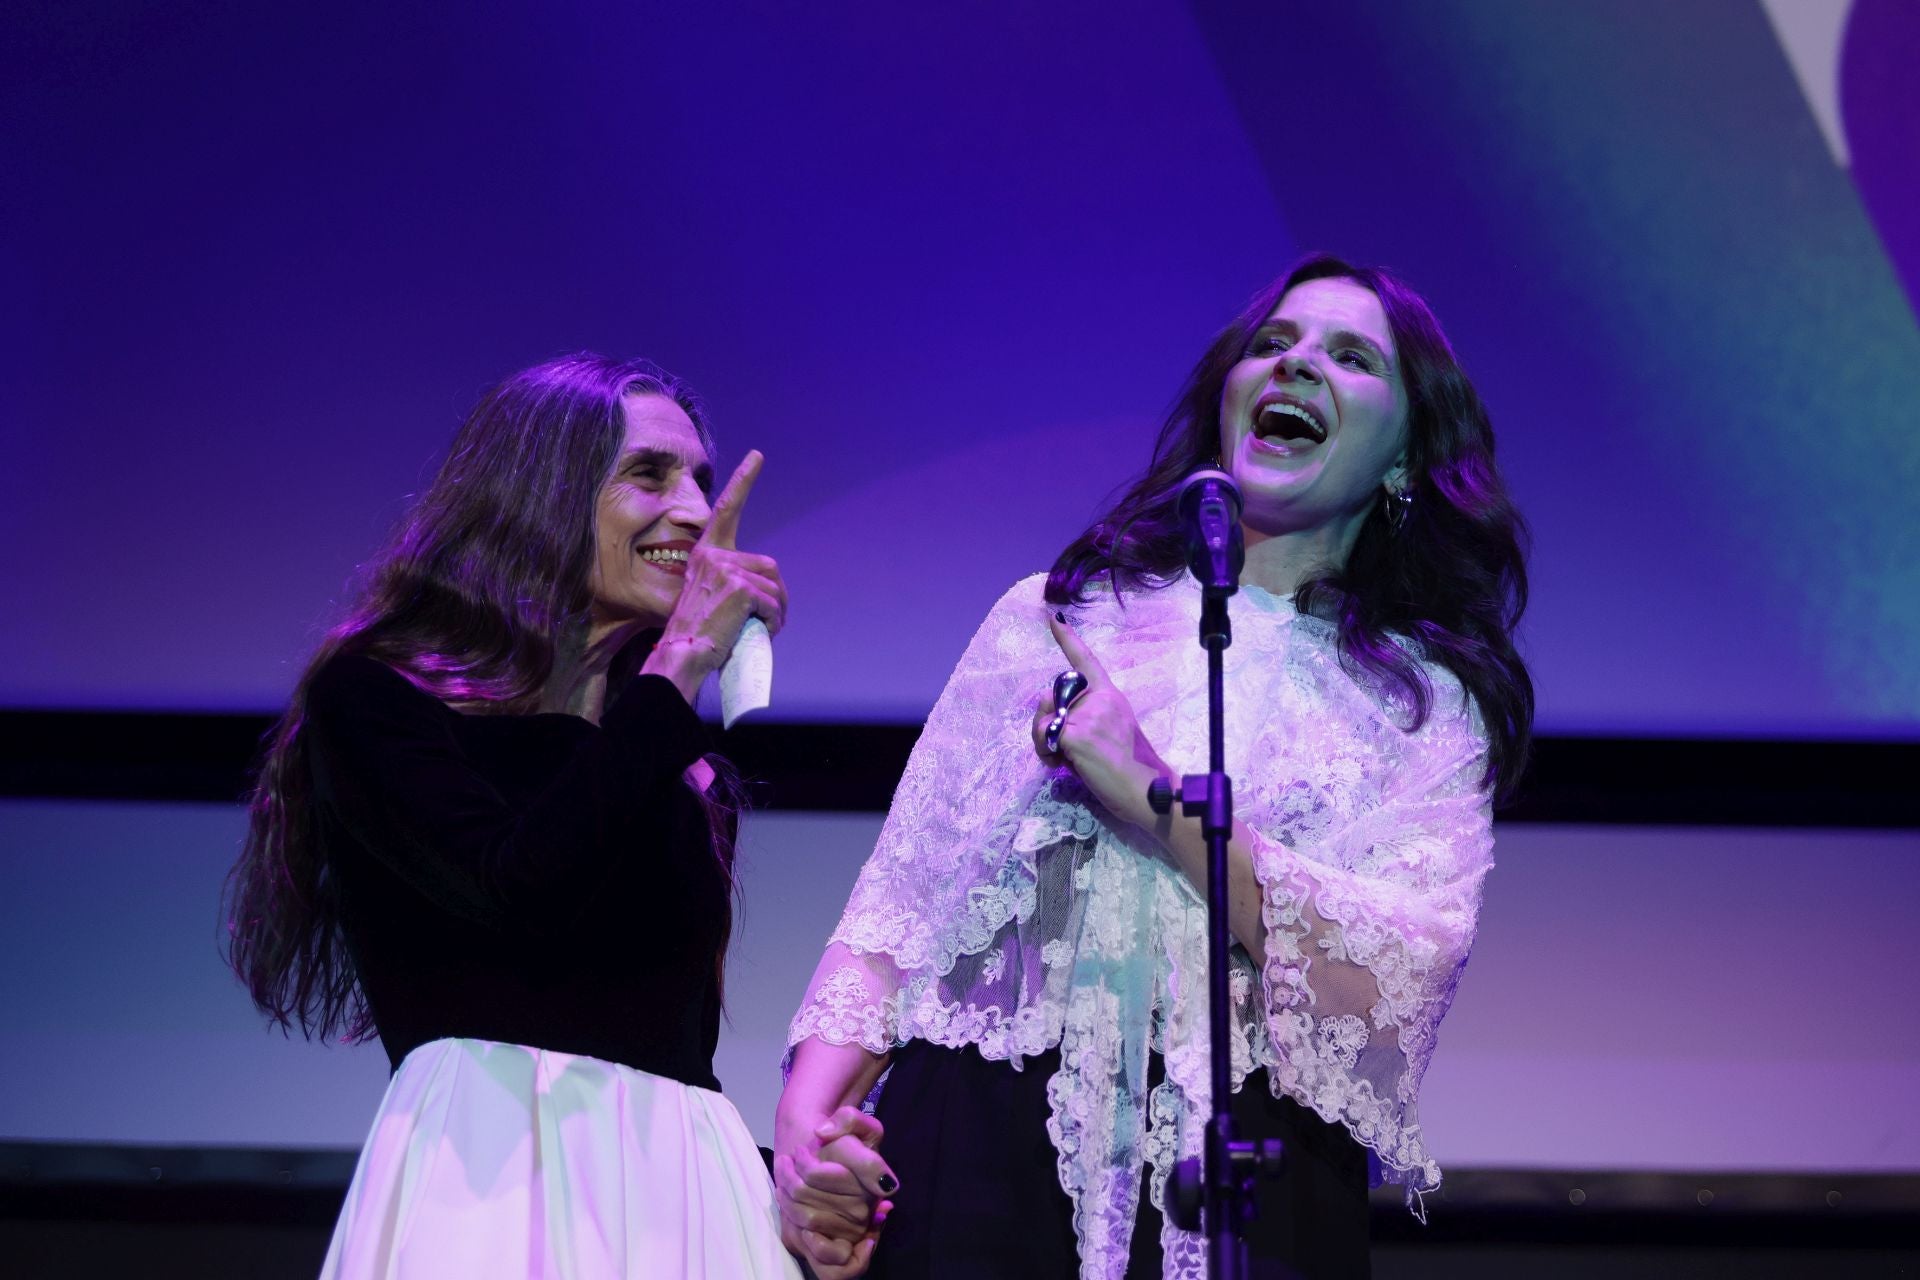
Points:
(1283, 420)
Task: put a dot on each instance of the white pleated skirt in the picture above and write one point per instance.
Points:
(489, 1161)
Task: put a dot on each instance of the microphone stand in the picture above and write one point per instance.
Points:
(1220, 1193)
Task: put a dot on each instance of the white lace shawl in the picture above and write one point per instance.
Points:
(1001, 909)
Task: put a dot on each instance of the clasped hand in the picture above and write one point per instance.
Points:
(832, 1187)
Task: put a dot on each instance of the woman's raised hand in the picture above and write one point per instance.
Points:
(832, 1191)
(1101, 739)
(724, 587)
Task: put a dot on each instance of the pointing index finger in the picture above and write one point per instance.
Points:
(723, 527)
(1078, 655)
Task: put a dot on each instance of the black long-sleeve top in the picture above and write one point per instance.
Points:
(535, 879)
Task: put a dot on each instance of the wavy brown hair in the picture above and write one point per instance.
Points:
(1452, 578)
(478, 598)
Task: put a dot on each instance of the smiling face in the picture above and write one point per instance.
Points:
(1313, 417)
(650, 510)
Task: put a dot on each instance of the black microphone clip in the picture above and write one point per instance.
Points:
(1209, 508)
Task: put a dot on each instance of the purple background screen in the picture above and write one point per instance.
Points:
(947, 271)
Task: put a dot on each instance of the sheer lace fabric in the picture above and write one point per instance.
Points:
(1003, 909)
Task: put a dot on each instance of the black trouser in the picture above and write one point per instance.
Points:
(980, 1191)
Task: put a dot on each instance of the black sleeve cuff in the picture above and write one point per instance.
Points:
(653, 720)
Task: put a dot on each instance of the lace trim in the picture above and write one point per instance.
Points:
(842, 1010)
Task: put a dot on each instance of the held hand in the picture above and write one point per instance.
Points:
(832, 1188)
(1101, 740)
(724, 587)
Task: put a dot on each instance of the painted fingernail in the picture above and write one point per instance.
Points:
(1060, 615)
(887, 1184)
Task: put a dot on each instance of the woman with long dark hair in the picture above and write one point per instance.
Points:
(1026, 946)
(487, 832)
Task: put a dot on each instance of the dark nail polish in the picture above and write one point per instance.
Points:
(887, 1184)
(1060, 615)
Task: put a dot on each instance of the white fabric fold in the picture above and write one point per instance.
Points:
(497, 1161)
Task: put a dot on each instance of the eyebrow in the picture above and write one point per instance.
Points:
(1338, 338)
(702, 471)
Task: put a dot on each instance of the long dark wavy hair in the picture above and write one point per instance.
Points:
(480, 598)
(1452, 578)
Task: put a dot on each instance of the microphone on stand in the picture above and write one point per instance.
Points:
(1215, 1190)
(1210, 509)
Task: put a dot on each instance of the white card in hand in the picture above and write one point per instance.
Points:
(746, 678)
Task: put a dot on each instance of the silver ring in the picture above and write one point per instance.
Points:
(1067, 688)
(1054, 726)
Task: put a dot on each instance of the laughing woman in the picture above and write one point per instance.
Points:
(487, 832)
(1026, 947)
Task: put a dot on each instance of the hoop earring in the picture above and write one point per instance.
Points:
(1398, 503)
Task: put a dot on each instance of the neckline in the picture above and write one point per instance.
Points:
(1262, 600)
(1267, 601)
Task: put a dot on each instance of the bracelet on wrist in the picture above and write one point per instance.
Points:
(699, 644)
